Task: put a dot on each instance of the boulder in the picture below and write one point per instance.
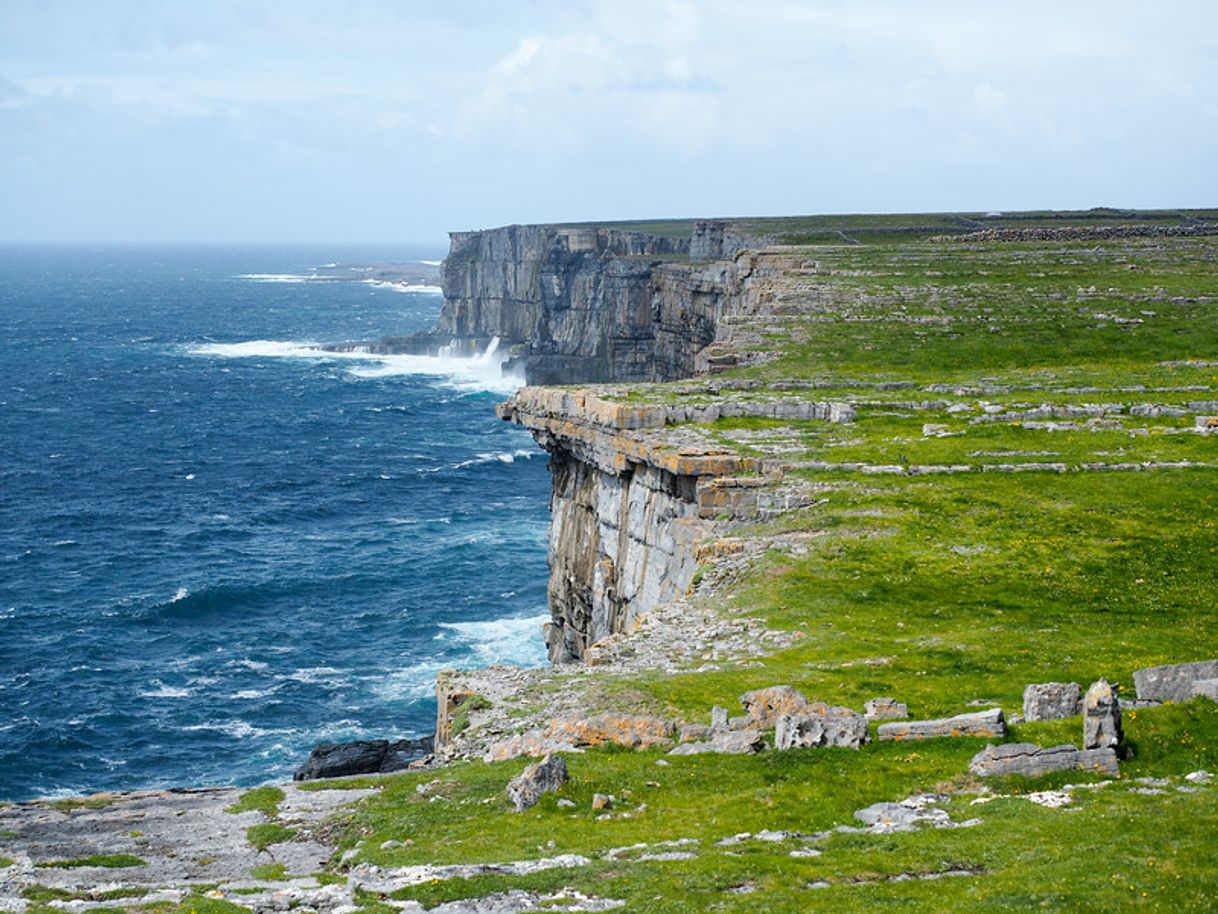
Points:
(885, 709)
(765, 706)
(731, 742)
(365, 756)
(824, 726)
(1052, 700)
(1173, 682)
(979, 723)
(1032, 761)
(531, 742)
(718, 718)
(1206, 688)
(1101, 717)
(542, 777)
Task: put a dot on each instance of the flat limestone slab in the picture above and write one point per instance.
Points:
(989, 722)
(1173, 682)
(1032, 761)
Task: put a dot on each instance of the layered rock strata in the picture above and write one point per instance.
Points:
(587, 305)
(630, 502)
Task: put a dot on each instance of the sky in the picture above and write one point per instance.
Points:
(358, 121)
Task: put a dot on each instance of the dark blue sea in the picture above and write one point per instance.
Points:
(219, 546)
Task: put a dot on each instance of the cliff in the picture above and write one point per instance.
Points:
(574, 305)
(633, 495)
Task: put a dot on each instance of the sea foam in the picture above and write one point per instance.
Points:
(483, 372)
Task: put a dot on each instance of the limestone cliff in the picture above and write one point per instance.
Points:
(631, 499)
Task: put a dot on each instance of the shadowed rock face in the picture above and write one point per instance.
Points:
(583, 305)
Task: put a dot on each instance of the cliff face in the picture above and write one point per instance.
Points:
(578, 305)
(631, 500)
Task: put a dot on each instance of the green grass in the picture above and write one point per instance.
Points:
(263, 836)
(265, 800)
(270, 872)
(1018, 850)
(6, 861)
(71, 804)
(108, 861)
(460, 721)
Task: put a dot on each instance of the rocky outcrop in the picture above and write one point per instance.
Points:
(979, 723)
(370, 756)
(1052, 700)
(1101, 717)
(543, 777)
(1173, 682)
(1031, 761)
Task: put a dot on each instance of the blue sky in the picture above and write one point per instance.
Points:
(138, 120)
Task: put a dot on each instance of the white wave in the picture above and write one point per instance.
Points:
(483, 372)
(181, 594)
(256, 665)
(235, 728)
(314, 675)
(164, 691)
(500, 456)
(431, 263)
(515, 641)
(403, 286)
(284, 277)
(252, 694)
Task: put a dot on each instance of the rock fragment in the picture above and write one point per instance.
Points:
(1052, 700)
(1032, 761)
(1173, 682)
(1101, 717)
(979, 723)
(542, 777)
(824, 725)
(885, 709)
(731, 742)
(765, 706)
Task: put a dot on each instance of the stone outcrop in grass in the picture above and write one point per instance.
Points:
(1101, 717)
(1173, 682)
(821, 726)
(1052, 700)
(1031, 761)
(546, 776)
(989, 723)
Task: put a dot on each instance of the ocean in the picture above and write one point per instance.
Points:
(220, 546)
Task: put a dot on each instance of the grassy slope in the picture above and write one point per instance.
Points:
(938, 590)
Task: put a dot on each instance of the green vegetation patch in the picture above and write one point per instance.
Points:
(264, 835)
(265, 800)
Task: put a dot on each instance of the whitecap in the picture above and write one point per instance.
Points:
(284, 277)
(253, 694)
(430, 263)
(500, 456)
(181, 594)
(472, 374)
(514, 640)
(420, 288)
(235, 728)
(246, 664)
(325, 675)
(163, 691)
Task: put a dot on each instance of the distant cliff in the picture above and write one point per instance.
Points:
(584, 305)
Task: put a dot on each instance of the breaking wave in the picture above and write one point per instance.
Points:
(483, 372)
